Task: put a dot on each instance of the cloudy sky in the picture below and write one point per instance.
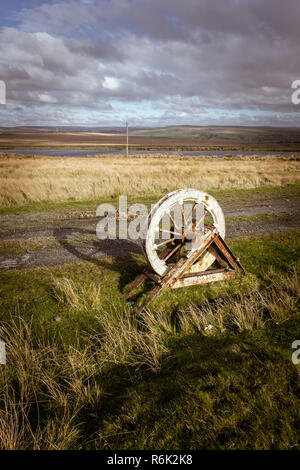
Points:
(153, 62)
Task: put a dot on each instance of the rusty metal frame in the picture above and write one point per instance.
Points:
(187, 271)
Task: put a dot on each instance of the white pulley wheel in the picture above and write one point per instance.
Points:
(160, 252)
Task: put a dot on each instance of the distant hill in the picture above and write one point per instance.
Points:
(62, 129)
(238, 134)
(169, 138)
(207, 134)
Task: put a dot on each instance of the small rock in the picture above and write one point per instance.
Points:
(56, 318)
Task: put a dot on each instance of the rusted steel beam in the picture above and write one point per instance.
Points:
(149, 297)
(153, 277)
(135, 284)
(227, 253)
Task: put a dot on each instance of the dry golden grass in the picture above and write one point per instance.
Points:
(29, 179)
(84, 298)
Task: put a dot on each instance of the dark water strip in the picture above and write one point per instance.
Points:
(83, 153)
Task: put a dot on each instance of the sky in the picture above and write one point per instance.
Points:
(151, 62)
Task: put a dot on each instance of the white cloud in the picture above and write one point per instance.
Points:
(112, 83)
(45, 98)
(184, 58)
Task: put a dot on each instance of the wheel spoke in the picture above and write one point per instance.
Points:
(201, 219)
(191, 214)
(174, 223)
(170, 231)
(183, 214)
(165, 252)
(172, 252)
(165, 242)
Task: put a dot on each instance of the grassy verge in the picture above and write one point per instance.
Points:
(89, 206)
(203, 367)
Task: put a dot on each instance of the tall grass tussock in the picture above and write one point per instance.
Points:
(49, 393)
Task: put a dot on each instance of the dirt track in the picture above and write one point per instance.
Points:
(65, 237)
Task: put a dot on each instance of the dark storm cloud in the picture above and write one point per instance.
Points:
(227, 59)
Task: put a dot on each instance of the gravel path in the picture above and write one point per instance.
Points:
(75, 237)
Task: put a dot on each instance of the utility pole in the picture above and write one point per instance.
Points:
(126, 139)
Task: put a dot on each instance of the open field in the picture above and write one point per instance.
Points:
(150, 230)
(202, 367)
(27, 179)
(171, 138)
(83, 373)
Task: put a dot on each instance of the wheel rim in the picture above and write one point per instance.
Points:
(161, 252)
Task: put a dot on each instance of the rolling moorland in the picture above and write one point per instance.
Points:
(204, 367)
(165, 138)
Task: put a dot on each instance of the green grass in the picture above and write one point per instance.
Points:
(104, 379)
(30, 291)
(236, 391)
(278, 217)
(73, 205)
